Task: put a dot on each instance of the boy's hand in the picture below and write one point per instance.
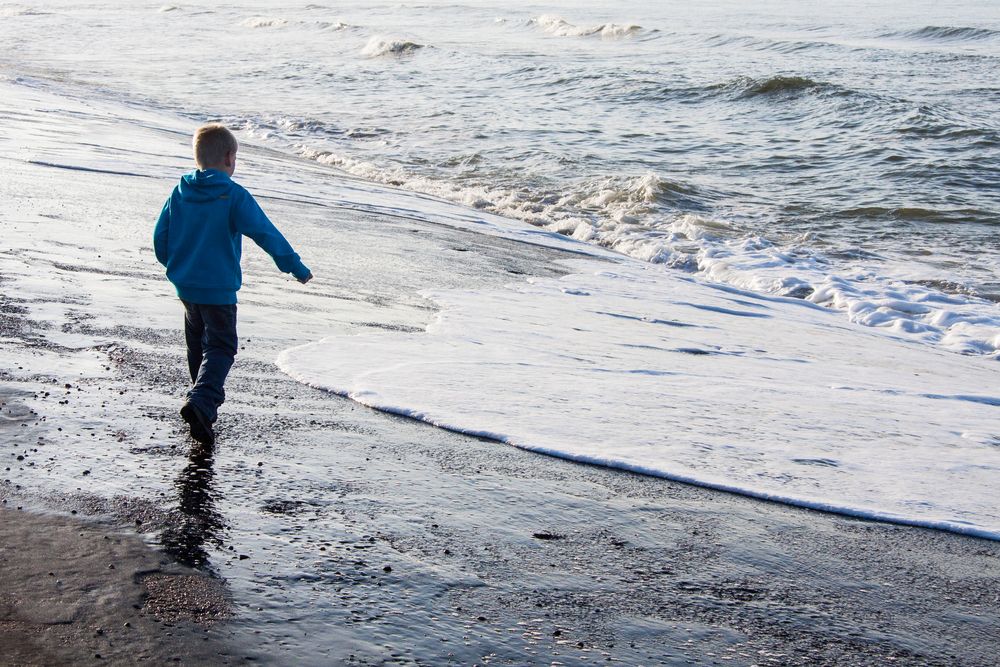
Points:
(306, 279)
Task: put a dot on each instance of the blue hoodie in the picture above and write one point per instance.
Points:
(199, 237)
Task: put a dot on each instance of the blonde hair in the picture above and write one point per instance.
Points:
(211, 143)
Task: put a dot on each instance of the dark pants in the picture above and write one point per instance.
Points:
(210, 332)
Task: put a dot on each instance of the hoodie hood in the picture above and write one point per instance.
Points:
(204, 186)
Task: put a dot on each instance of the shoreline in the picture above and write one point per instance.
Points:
(819, 507)
(343, 534)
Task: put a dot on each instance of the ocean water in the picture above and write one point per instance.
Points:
(844, 154)
(794, 210)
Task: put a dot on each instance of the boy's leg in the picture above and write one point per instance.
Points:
(194, 331)
(219, 344)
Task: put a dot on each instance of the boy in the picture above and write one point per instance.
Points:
(199, 237)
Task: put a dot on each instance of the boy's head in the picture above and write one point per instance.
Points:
(215, 148)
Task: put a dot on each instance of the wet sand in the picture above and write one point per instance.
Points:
(337, 534)
(79, 592)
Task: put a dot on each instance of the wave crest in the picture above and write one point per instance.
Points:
(948, 33)
(775, 85)
(264, 22)
(333, 26)
(916, 214)
(558, 26)
(10, 11)
(386, 46)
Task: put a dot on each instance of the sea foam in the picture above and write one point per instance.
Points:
(629, 365)
(556, 25)
(264, 22)
(614, 212)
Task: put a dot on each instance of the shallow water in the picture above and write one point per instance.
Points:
(844, 154)
(629, 367)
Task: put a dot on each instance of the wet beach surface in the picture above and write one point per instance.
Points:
(82, 592)
(343, 535)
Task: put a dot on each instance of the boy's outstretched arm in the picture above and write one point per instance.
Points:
(160, 234)
(251, 221)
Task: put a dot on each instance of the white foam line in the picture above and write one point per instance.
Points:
(858, 513)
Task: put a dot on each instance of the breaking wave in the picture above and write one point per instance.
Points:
(264, 22)
(556, 25)
(625, 214)
(333, 26)
(386, 46)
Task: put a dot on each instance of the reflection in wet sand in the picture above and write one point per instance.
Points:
(196, 522)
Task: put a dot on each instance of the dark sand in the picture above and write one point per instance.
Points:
(326, 533)
(79, 592)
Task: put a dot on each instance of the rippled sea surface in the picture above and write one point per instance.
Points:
(770, 144)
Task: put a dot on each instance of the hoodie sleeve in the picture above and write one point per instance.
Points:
(251, 221)
(160, 233)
